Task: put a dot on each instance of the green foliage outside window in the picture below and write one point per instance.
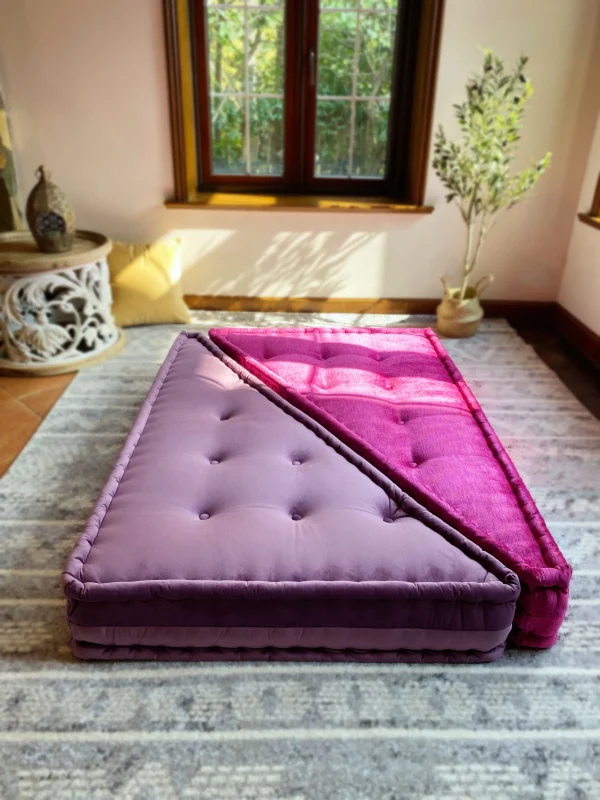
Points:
(247, 58)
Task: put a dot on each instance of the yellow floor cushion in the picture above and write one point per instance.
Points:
(145, 282)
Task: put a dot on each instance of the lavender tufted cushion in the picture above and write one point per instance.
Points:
(231, 528)
(396, 397)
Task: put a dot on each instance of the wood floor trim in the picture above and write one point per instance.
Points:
(510, 309)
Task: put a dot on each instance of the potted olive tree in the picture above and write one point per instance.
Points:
(476, 172)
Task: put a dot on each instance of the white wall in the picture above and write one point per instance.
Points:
(580, 287)
(85, 83)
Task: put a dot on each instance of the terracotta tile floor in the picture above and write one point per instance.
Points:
(24, 402)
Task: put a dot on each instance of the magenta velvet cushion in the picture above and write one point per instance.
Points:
(397, 398)
(231, 527)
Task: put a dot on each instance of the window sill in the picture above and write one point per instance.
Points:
(264, 202)
(590, 220)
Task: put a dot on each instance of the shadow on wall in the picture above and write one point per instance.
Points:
(279, 254)
(256, 254)
(344, 255)
(283, 263)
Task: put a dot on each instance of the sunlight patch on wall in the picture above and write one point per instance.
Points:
(198, 244)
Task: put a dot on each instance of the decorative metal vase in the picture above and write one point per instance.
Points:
(51, 219)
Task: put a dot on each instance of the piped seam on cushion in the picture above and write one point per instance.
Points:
(307, 627)
(85, 650)
(408, 591)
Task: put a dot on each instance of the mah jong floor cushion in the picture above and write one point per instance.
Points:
(235, 527)
(397, 399)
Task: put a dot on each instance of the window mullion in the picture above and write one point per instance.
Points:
(246, 93)
(293, 93)
(202, 88)
(354, 90)
(310, 35)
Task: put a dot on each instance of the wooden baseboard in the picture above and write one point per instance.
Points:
(578, 334)
(339, 305)
(511, 309)
(521, 311)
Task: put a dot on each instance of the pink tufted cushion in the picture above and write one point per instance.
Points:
(398, 399)
(232, 526)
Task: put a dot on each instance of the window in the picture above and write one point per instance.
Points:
(302, 98)
(593, 218)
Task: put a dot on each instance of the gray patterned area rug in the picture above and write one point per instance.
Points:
(526, 727)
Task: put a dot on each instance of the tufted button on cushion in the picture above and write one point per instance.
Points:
(296, 463)
(388, 519)
(413, 464)
(215, 461)
(204, 516)
(296, 517)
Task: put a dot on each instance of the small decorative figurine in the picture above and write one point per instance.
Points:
(51, 219)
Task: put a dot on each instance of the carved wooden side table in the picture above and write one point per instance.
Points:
(55, 307)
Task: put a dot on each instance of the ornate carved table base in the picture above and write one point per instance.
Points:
(57, 321)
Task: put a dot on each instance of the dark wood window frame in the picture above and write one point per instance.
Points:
(593, 217)
(419, 27)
